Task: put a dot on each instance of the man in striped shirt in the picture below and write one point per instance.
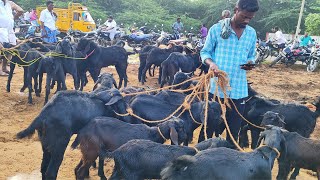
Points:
(230, 43)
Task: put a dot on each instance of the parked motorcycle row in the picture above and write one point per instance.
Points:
(292, 53)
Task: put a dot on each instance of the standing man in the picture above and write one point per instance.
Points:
(177, 28)
(227, 53)
(7, 35)
(111, 27)
(203, 32)
(48, 27)
(305, 40)
(280, 39)
(225, 14)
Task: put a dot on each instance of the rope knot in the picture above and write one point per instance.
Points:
(186, 105)
(130, 111)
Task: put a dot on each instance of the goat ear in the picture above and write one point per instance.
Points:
(174, 136)
(114, 100)
(59, 48)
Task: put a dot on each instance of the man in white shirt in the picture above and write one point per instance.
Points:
(48, 20)
(7, 35)
(111, 27)
(280, 39)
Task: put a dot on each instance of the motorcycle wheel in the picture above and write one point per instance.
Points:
(278, 58)
(312, 66)
(266, 54)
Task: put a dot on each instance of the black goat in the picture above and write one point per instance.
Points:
(105, 81)
(64, 115)
(155, 108)
(302, 119)
(99, 57)
(178, 61)
(28, 58)
(299, 152)
(224, 163)
(213, 143)
(155, 57)
(143, 54)
(106, 133)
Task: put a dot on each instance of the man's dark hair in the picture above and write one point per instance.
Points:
(49, 2)
(276, 28)
(111, 17)
(204, 25)
(248, 5)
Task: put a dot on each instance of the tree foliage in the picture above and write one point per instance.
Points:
(282, 13)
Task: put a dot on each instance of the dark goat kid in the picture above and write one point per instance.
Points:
(31, 58)
(143, 54)
(224, 163)
(106, 133)
(144, 159)
(299, 152)
(178, 62)
(156, 56)
(213, 143)
(298, 118)
(64, 115)
(156, 107)
(99, 57)
(105, 81)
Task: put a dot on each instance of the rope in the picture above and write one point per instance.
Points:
(164, 138)
(274, 149)
(197, 150)
(256, 126)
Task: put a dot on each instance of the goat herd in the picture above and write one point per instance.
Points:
(105, 129)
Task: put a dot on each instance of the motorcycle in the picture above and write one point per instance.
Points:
(103, 38)
(291, 55)
(262, 52)
(141, 40)
(314, 59)
(272, 49)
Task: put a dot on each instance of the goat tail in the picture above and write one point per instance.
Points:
(76, 142)
(176, 170)
(30, 130)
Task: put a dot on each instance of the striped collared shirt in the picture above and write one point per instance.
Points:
(228, 55)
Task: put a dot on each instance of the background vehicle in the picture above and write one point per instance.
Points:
(74, 17)
(314, 59)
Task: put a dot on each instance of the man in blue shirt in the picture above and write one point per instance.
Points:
(230, 43)
(305, 40)
(177, 27)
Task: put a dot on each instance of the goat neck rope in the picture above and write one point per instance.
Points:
(87, 55)
(274, 149)
(164, 138)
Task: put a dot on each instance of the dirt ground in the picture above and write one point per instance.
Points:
(21, 159)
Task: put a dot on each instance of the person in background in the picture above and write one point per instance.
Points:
(305, 40)
(7, 35)
(225, 14)
(227, 51)
(279, 38)
(33, 17)
(203, 32)
(48, 27)
(110, 27)
(177, 27)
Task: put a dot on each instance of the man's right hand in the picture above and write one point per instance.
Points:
(212, 65)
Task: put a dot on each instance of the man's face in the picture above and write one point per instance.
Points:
(109, 19)
(178, 20)
(243, 17)
(306, 34)
(50, 6)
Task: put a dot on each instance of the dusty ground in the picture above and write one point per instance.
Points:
(21, 159)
